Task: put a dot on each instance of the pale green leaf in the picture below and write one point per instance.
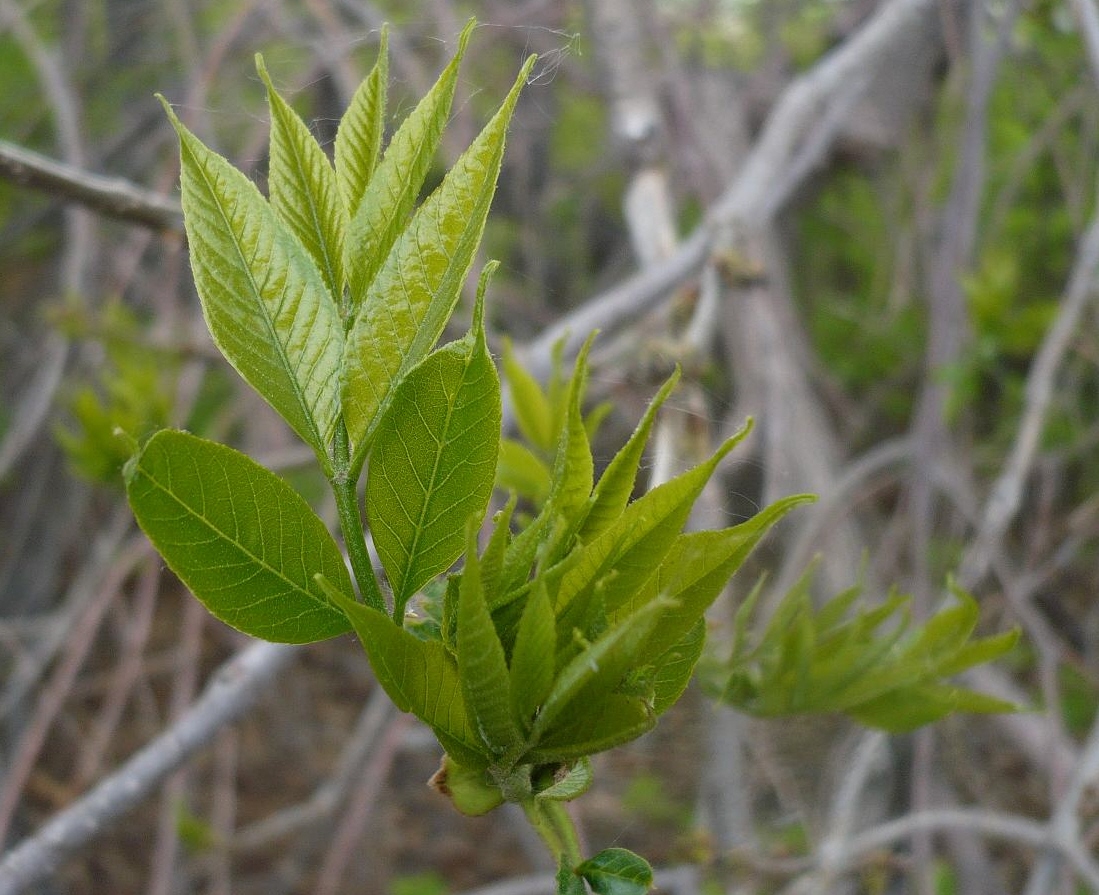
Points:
(519, 470)
(412, 297)
(482, 667)
(533, 414)
(434, 461)
(616, 484)
(241, 539)
(362, 127)
(574, 782)
(395, 184)
(674, 668)
(303, 189)
(264, 300)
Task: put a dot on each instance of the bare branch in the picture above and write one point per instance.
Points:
(234, 689)
(110, 195)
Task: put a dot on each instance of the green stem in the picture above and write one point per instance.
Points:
(351, 523)
(551, 820)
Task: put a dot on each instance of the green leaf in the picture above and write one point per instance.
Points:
(393, 187)
(568, 883)
(574, 467)
(519, 470)
(616, 484)
(617, 871)
(359, 136)
(412, 297)
(533, 658)
(597, 669)
(303, 189)
(572, 783)
(241, 539)
(674, 668)
(434, 461)
(420, 677)
(636, 542)
(533, 415)
(481, 664)
(264, 300)
(611, 721)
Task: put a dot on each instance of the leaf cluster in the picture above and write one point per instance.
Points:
(868, 662)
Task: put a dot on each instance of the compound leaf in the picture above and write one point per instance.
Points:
(419, 676)
(393, 187)
(244, 542)
(359, 136)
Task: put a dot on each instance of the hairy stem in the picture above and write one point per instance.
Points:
(552, 822)
(351, 523)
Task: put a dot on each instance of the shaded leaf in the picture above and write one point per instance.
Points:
(533, 658)
(617, 871)
(241, 539)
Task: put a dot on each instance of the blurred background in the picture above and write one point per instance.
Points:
(870, 225)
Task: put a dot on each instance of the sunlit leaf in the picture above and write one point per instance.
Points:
(264, 300)
(413, 295)
(362, 127)
(303, 189)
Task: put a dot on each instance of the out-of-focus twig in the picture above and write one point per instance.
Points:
(112, 196)
(233, 690)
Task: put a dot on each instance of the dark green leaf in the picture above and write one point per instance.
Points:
(238, 536)
(533, 658)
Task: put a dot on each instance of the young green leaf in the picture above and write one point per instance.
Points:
(359, 136)
(419, 676)
(615, 487)
(303, 189)
(414, 293)
(519, 470)
(672, 671)
(572, 783)
(265, 302)
(238, 536)
(608, 722)
(434, 461)
(533, 658)
(533, 414)
(616, 871)
(395, 184)
(481, 664)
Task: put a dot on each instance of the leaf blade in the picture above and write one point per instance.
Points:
(207, 509)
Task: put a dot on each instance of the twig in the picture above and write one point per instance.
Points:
(234, 689)
(112, 196)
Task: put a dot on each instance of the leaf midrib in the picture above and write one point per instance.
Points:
(265, 313)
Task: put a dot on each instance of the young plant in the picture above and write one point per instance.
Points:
(564, 637)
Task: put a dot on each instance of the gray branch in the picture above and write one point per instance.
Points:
(234, 689)
(110, 195)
